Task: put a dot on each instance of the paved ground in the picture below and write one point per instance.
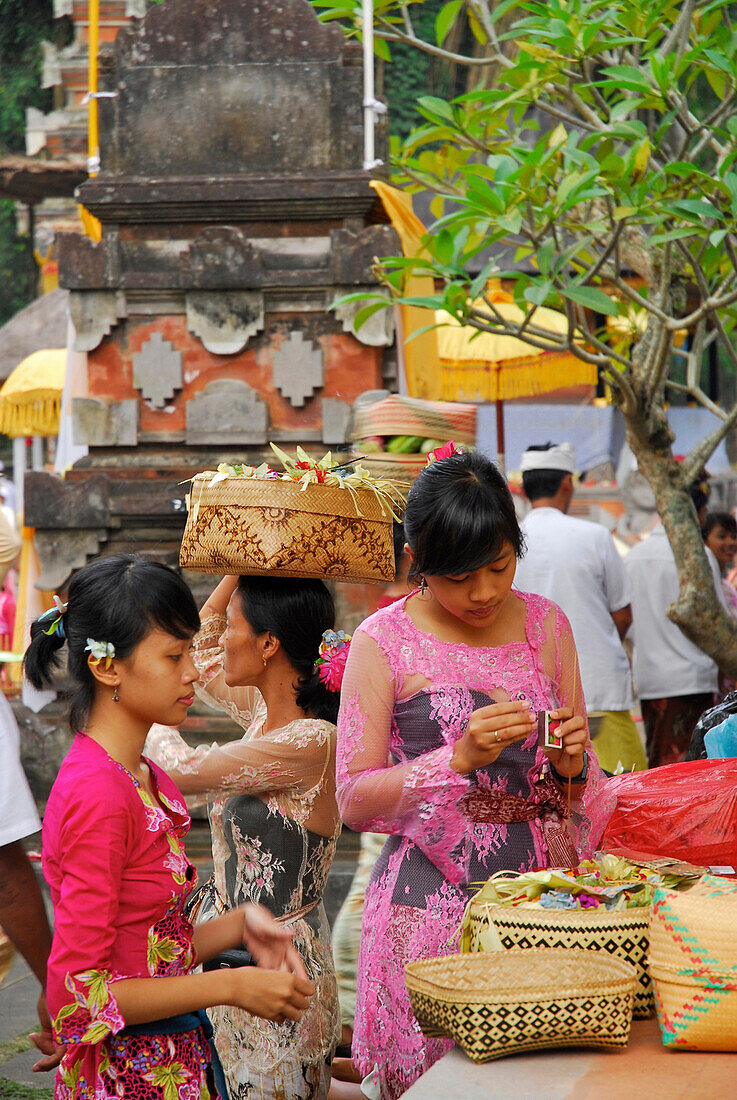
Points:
(19, 991)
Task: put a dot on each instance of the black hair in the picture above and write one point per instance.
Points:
(719, 519)
(700, 491)
(399, 539)
(459, 514)
(541, 484)
(297, 612)
(116, 599)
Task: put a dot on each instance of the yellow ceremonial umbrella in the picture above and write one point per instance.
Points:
(486, 366)
(30, 399)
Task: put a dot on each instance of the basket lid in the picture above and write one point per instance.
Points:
(522, 975)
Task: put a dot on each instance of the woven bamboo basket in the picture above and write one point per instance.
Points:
(693, 961)
(499, 1003)
(398, 467)
(623, 935)
(256, 527)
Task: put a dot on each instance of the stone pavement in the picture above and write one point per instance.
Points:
(19, 992)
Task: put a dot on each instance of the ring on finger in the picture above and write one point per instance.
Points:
(496, 735)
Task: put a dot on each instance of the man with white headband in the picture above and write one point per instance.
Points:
(575, 563)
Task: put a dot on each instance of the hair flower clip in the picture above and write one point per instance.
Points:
(56, 613)
(101, 651)
(440, 453)
(333, 656)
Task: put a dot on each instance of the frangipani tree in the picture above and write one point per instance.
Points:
(597, 147)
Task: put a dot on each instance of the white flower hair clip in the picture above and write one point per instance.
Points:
(101, 651)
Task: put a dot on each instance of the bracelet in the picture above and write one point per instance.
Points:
(580, 778)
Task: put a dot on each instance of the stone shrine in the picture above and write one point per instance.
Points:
(234, 211)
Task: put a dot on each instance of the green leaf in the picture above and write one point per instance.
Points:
(445, 19)
(544, 257)
(591, 298)
(364, 314)
(538, 293)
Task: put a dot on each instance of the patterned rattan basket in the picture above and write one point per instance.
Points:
(623, 935)
(256, 527)
(693, 961)
(507, 1002)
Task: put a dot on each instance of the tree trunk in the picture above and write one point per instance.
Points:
(698, 611)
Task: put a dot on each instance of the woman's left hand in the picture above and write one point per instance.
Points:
(269, 942)
(568, 759)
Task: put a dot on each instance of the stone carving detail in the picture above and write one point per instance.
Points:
(60, 552)
(225, 321)
(298, 368)
(336, 418)
(377, 331)
(157, 371)
(97, 424)
(227, 411)
(94, 314)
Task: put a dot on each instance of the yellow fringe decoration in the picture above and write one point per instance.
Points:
(514, 378)
(30, 414)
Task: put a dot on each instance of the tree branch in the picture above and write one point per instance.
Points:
(699, 456)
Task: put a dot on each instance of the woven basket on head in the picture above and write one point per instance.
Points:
(623, 935)
(256, 527)
(693, 961)
(498, 1003)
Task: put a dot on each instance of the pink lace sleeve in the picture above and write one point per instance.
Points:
(591, 804)
(292, 758)
(418, 799)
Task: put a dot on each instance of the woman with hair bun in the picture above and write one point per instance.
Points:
(438, 746)
(121, 991)
(274, 820)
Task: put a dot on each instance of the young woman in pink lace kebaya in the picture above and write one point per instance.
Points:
(438, 746)
(121, 991)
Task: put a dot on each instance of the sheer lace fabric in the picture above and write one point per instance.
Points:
(275, 824)
(405, 699)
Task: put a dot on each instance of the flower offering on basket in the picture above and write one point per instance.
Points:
(314, 518)
(604, 905)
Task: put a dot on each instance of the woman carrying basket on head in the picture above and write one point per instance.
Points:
(121, 992)
(438, 746)
(274, 819)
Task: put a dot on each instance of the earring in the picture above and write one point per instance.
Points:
(116, 696)
(423, 586)
(263, 658)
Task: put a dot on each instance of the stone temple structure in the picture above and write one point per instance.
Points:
(234, 211)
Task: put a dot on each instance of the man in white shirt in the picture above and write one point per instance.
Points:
(676, 681)
(22, 912)
(576, 565)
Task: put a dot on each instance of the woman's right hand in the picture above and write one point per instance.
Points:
(488, 731)
(271, 994)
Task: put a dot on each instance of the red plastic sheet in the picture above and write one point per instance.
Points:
(686, 811)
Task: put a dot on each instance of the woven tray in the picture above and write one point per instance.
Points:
(693, 961)
(623, 935)
(499, 1003)
(256, 528)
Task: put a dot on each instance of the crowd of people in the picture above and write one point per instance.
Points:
(420, 732)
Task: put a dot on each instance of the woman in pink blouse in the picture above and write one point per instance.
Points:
(121, 992)
(438, 746)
